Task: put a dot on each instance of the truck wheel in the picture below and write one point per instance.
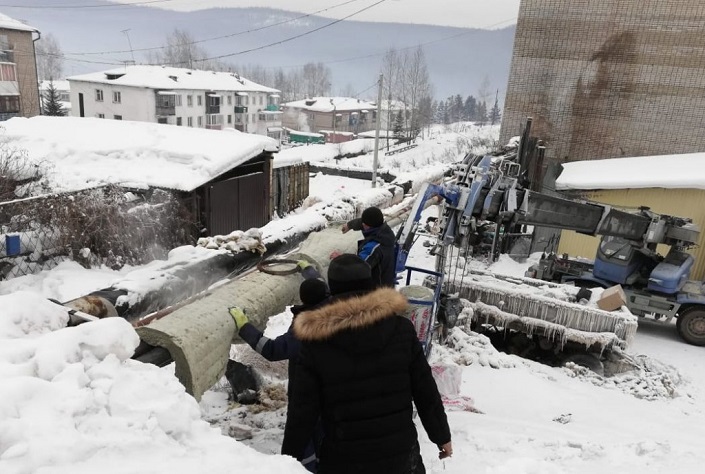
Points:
(587, 360)
(691, 325)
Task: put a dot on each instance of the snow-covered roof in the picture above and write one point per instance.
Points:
(323, 104)
(163, 77)
(662, 171)
(61, 85)
(12, 24)
(89, 152)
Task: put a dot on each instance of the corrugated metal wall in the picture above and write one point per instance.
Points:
(676, 202)
(290, 186)
(238, 204)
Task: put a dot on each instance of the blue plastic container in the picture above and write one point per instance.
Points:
(12, 245)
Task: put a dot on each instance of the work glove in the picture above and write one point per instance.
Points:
(303, 264)
(239, 316)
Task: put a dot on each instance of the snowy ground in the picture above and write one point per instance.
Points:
(71, 400)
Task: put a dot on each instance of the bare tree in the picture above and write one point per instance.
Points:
(181, 50)
(417, 86)
(50, 58)
(484, 93)
(317, 79)
(348, 91)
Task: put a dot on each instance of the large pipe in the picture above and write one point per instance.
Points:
(198, 336)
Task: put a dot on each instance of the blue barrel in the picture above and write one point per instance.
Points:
(12, 245)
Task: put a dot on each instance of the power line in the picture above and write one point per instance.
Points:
(372, 55)
(254, 30)
(115, 5)
(286, 40)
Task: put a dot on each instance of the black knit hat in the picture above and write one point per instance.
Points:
(373, 217)
(348, 273)
(313, 291)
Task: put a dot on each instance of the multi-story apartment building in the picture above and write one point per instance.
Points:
(19, 93)
(177, 96)
(337, 114)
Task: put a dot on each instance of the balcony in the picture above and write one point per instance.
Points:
(214, 122)
(165, 111)
(240, 109)
(213, 109)
(165, 104)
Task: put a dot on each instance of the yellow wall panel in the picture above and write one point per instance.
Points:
(676, 202)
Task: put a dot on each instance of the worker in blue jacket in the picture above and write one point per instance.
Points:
(377, 248)
(313, 293)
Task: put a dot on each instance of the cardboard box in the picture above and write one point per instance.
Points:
(612, 298)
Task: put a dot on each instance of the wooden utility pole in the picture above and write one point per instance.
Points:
(379, 124)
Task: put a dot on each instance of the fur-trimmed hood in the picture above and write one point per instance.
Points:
(351, 313)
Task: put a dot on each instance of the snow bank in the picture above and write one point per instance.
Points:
(662, 171)
(72, 400)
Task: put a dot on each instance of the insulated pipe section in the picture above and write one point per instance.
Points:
(198, 336)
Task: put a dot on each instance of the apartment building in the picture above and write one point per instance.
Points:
(178, 96)
(19, 93)
(337, 114)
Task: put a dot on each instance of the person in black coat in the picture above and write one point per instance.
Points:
(313, 293)
(361, 368)
(377, 246)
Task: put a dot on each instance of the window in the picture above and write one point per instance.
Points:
(117, 97)
(99, 95)
(200, 119)
(230, 119)
(189, 121)
(238, 100)
(189, 100)
(200, 100)
(178, 100)
(9, 104)
(117, 117)
(162, 120)
(261, 100)
(100, 115)
(247, 100)
(7, 72)
(212, 120)
(178, 121)
(230, 100)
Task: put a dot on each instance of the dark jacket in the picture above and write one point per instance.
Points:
(377, 249)
(361, 366)
(286, 346)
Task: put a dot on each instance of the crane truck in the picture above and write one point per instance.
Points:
(493, 189)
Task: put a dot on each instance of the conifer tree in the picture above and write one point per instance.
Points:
(52, 104)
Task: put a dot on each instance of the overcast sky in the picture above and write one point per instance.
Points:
(488, 14)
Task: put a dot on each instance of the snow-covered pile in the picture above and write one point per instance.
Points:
(237, 241)
(72, 400)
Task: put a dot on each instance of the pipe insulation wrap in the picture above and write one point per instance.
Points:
(198, 336)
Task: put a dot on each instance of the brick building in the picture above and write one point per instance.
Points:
(609, 78)
(19, 92)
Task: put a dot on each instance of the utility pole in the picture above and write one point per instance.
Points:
(379, 123)
(127, 33)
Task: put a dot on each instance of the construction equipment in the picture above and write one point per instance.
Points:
(494, 190)
(655, 286)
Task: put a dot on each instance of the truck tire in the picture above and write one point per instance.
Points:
(587, 360)
(691, 325)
